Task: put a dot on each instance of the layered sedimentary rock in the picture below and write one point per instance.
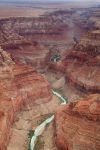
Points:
(13, 29)
(23, 37)
(20, 86)
(81, 65)
(77, 125)
(30, 53)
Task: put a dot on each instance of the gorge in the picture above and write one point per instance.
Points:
(44, 59)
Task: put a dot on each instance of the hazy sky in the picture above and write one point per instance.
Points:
(52, 0)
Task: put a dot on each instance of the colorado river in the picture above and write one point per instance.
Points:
(39, 130)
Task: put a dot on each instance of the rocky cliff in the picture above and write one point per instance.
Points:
(81, 65)
(12, 29)
(20, 86)
(77, 125)
(23, 37)
(29, 53)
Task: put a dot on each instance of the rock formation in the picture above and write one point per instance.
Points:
(81, 65)
(14, 29)
(22, 36)
(20, 86)
(77, 125)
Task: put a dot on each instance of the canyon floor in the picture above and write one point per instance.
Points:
(28, 120)
(31, 117)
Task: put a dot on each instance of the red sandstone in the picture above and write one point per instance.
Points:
(77, 125)
(20, 86)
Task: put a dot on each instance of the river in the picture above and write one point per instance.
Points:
(39, 130)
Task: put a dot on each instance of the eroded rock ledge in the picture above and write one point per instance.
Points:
(19, 86)
(77, 125)
(81, 65)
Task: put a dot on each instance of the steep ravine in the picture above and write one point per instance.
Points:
(39, 130)
(28, 120)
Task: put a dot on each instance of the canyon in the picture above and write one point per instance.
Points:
(18, 91)
(58, 50)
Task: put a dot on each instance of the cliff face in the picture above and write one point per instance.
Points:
(77, 125)
(81, 65)
(20, 86)
(6, 65)
(16, 38)
(27, 52)
(23, 37)
(12, 29)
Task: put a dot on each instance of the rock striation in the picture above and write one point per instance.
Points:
(20, 86)
(28, 53)
(24, 38)
(77, 125)
(13, 29)
(81, 64)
